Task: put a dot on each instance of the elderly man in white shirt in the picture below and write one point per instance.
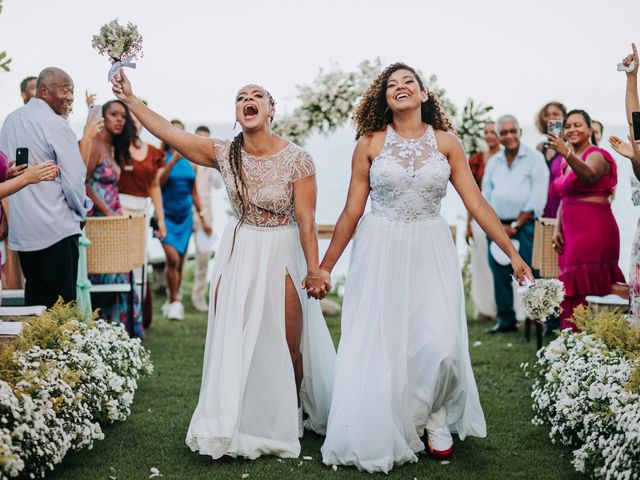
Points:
(515, 184)
(44, 219)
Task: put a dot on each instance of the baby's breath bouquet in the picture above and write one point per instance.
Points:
(542, 299)
(122, 43)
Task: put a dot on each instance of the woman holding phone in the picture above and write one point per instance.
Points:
(586, 235)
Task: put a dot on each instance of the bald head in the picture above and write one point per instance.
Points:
(55, 87)
(52, 74)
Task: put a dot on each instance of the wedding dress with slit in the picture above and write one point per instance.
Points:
(403, 361)
(248, 403)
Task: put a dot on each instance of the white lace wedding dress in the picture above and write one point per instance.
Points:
(403, 360)
(248, 405)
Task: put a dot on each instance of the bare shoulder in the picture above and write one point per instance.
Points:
(371, 145)
(448, 142)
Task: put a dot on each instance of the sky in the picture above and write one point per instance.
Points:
(512, 54)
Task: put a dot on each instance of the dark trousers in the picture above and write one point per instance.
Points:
(51, 272)
(502, 276)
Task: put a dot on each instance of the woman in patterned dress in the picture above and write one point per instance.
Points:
(112, 142)
(268, 350)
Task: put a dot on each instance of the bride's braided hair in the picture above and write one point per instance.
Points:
(235, 160)
(372, 113)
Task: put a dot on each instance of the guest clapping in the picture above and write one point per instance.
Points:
(586, 236)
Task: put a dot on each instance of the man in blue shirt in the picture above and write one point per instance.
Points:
(515, 184)
(44, 219)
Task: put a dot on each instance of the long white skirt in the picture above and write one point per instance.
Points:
(248, 404)
(482, 293)
(403, 353)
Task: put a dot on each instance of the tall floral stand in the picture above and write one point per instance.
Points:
(545, 260)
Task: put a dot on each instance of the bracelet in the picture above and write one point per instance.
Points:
(566, 157)
(312, 278)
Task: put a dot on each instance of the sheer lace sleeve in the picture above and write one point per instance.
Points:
(302, 166)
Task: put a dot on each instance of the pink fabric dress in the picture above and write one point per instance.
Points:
(4, 170)
(589, 259)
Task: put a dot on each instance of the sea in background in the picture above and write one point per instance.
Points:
(332, 155)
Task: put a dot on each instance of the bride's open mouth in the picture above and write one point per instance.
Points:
(250, 111)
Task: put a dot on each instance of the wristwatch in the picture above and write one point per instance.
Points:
(514, 225)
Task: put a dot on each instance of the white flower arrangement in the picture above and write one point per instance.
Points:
(581, 392)
(328, 103)
(122, 43)
(118, 41)
(64, 394)
(542, 299)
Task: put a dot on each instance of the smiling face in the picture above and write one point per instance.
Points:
(509, 135)
(577, 130)
(254, 109)
(491, 136)
(403, 92)
(57, 91)
(115, 118)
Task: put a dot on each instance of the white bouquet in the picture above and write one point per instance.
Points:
(121, 43)
(542, 299)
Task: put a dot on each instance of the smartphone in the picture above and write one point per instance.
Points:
(95, 112)
(555, 127)
(635, 119)
(22, 156)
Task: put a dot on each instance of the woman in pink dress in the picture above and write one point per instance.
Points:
(586, 238)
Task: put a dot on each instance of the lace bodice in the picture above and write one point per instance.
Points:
(408, 178)
(269, 181)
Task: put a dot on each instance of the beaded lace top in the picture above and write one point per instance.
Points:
(269, 182)
(408, 178)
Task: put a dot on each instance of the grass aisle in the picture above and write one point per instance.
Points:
(154, 434)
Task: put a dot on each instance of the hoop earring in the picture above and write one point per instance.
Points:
(386, 110)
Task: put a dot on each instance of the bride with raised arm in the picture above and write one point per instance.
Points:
(268, 349)
(403, 362)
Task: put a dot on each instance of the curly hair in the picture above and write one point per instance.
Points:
(372, 113)
(541, 125)
(122, 141)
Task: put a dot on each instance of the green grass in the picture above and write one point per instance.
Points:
(154, 434)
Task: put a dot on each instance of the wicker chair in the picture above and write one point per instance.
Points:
(118, 245)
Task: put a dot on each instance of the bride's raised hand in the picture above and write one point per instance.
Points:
(121, 87)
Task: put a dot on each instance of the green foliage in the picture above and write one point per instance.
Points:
(613, 329)
(46, 331)
(471, 128)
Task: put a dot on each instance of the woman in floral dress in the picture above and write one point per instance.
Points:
(102, 176)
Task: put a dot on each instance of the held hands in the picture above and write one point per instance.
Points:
(521, 270)
(317, 285)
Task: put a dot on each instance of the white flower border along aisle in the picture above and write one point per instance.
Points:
(61, 380)
(587, 388)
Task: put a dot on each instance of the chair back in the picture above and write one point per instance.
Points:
(545, 258)
(117, 244)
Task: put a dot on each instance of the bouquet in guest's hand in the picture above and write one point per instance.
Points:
(121, 43)
(542, 299)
